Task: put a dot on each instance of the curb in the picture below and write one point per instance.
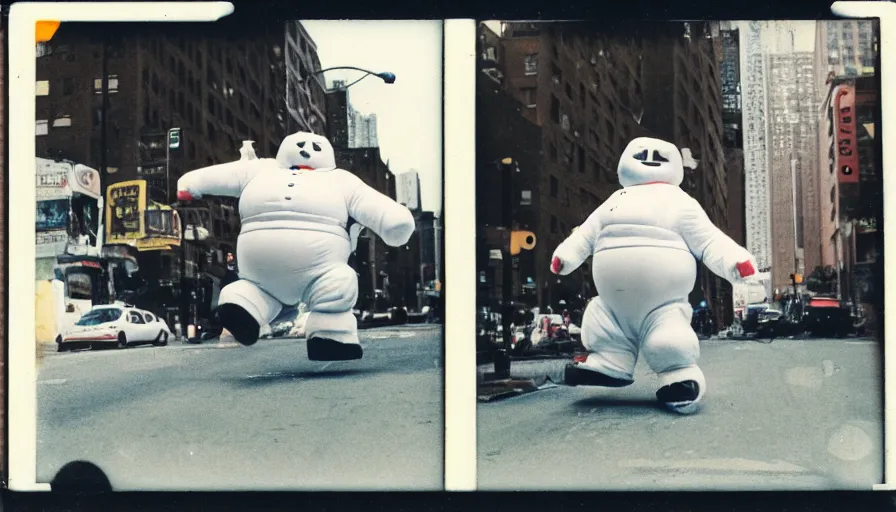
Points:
(492, 391)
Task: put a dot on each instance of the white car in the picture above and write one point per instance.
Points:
(115, 323)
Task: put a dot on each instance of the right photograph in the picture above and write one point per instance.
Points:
(679, 255)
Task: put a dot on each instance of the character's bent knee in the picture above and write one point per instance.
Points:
(335, 291)
(670, 351)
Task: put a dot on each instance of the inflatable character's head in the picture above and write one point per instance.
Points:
(647, 160)
(305, 150)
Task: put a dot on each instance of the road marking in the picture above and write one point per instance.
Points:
(53, 381)
(733, 464)
(324, 367)
(861, 343)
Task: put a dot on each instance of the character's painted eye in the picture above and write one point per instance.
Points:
(315, 146)
(657, 157)
(301, 144)
(641, 156)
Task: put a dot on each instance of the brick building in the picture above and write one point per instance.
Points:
(512, 60)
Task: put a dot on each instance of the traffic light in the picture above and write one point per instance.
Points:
(796, 278)
(521, 240)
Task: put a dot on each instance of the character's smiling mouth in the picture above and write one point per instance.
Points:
(302, 168)
(652, 164)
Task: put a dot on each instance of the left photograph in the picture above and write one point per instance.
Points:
(268, 189)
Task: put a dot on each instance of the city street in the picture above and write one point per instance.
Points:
(792, 414)
(227, 417)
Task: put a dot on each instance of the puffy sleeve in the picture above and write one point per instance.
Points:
(223, 179)
(390, 220)
(709, 244)
(580, 244)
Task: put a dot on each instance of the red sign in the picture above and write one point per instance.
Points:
(847, 159)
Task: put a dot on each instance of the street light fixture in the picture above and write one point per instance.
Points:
(385, 76)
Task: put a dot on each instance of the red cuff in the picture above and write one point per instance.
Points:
(745, 268)
(556, 265)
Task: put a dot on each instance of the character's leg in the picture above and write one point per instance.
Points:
(671, 348)
(243, 308)
(331, 328)
(612, 356)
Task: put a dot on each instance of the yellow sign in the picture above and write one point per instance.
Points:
(155, 244)
(125, 207)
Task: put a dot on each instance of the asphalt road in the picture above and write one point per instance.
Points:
(793, 414)
(209, 417)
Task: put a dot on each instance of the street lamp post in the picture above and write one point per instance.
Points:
(385, 76)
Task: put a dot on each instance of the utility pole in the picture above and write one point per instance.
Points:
(104, 118)
(502, 355)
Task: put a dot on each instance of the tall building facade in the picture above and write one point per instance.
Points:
(362, 131)
(305, 90)
(757, 200)
(732, 126)
(847, 46)
(794, 184)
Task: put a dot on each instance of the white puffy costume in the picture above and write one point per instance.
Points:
(644, 240)
(294, 243)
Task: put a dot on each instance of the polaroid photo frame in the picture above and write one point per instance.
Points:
(557, 103)
(23, 455)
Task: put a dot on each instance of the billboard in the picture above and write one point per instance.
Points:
(52, 179)
(125, 204)
(847, 157)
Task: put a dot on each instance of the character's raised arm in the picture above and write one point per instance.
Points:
(573, 251)
(722, 255)
(393, 222)
(221, 180)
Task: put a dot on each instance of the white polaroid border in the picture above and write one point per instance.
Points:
(22, 395)
(886, 11)
(459, 213)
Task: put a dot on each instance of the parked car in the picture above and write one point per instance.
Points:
(122, 325)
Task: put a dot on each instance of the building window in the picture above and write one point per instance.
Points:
(62, 122)
(555, 108)
(568, 90)
(526, 198)
(529, 96)
(555, 186)
(552, 151)
(42, 127)
(68, 86)
(112, 84)
(42, 88)
(554, 224)
(580, 158)
(531, 64)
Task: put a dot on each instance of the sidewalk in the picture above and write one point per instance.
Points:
(526, 376)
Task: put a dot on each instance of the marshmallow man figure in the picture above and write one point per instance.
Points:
(296, 239)
(644, 240)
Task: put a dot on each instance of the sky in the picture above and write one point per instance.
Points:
(409, 112)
